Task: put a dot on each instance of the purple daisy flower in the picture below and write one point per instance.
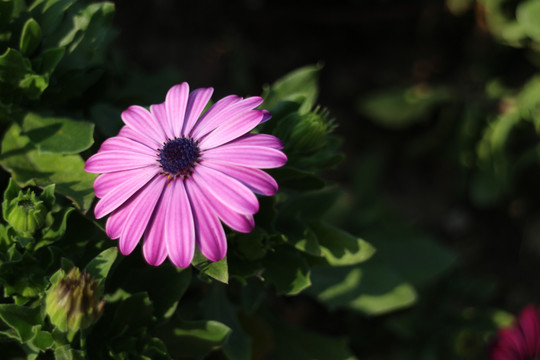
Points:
(171, 175)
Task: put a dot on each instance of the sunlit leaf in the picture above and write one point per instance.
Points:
(27, 166)
(57, 134)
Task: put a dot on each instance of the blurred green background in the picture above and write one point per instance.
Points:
(438, 104)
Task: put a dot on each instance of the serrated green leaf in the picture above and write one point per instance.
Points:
(41, 341)
(340, 248)
(298, 234)
(47, 196)
(100, 266)
(29, 167)
(527, 15)
(287, 270)
(298, 86)
(30, 37)
(194, 339)
(21, 320)
(58, 135)
(215, 269)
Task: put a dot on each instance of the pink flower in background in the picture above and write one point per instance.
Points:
(522, 341)
(172, 174)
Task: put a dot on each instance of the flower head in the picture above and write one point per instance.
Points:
(171, 174)
(522, 341)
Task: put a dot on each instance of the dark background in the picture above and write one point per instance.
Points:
(366, 46)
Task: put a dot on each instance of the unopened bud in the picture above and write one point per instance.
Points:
(309, 133)
(26, 213)
(73, 302)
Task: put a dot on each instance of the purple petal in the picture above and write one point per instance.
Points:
(117, 219)
(210, 237)
(175, 103)
(228, 190)
(214, 110)
(267, 116)
(196, 103)
(106, 182)
(529, 323)
(258, 140)
(159, 111)
(129, 133)
(231, 129)
(125, 144)
(239, 222)
(235, 107)
(154, 248)
(249, 156)
(119, 194)
(111, 161)
(179, 231)
(256, 180)
(140, 120)
(140, 214)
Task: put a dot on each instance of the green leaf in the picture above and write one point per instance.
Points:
(65, 352)
(301, 237)
(340, 248)
(21, 320)
(85, 33)
(125, 322)
(287, 270)
(47, 61)
(100, 266)
(27, 166)
(527, 15)
(215, 269)
(400, 108)
(50, 13)
(372, 288)
(58, 135)
(11, 192)
(47, 196)
(298, 86)
(298, 344)
(165, 286)
(57, 228)
(289, 177)
(30, 37)
(6, 9)
(217, 307)
(194, 339)
(41, 341)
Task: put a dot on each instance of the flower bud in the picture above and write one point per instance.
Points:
(309, 133)
(73, 302)
(26, 213)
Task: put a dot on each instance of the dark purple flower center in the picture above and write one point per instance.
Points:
(178, 156)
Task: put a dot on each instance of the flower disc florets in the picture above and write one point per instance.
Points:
(178, 156)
